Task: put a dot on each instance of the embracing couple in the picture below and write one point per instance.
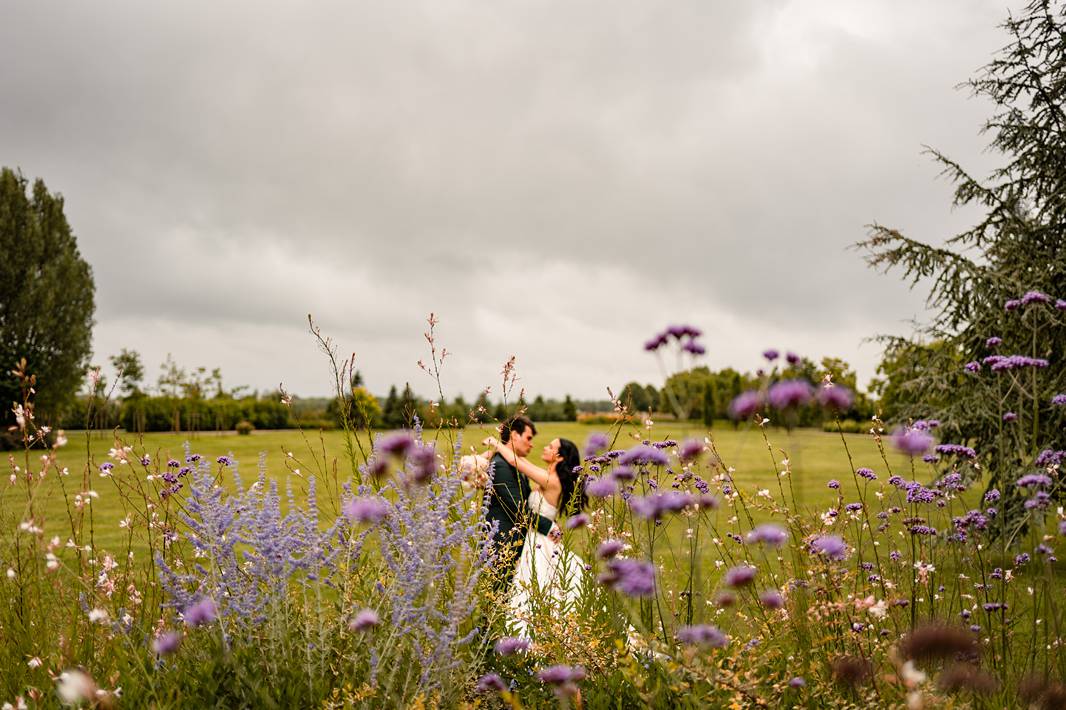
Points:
(525, 502)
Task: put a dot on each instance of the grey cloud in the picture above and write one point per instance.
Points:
(251, 162)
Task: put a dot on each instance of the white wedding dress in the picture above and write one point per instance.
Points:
(548, 576)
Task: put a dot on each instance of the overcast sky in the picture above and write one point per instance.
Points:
(555, 180)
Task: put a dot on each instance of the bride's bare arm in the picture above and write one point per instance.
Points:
(534, 473)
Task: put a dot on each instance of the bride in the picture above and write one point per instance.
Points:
(547, 572)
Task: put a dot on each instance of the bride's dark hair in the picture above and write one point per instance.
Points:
(572, 498)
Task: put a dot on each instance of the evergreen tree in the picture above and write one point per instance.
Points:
(569, 410)
(391, 412)
(1001, 277)
(46, 299)
(710, 401)
(538, 411)
(408, 406)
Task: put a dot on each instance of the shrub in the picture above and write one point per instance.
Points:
(244, 427)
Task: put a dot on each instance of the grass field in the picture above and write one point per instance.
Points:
(814, 455)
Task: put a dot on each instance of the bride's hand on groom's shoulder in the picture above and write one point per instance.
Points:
(490, 442)
(555, 534)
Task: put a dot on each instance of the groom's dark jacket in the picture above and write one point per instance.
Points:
(507, 504)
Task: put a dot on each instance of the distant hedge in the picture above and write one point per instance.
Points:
(141, 414)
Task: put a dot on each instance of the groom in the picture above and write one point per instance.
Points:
(507, 502)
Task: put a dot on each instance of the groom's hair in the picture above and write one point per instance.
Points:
(518, 425)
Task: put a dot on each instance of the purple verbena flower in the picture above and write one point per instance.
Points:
(561, 675)
(772, 599)
(643, 455)
(577, 521)
(770, 354)
(422, 463)
(739, 576)
(1041, 500)
(602, 487)
(633, 578)
(973, 366)
(702, 635)
(993, 341)
(489, 683)
(510, 645)
(917, 493)
(797, 682)
(201, 613)
(396, 444)
(656, 505)
(833, 483)
(690, 450)
(866, 473)
(1010, 417)
(609, 549)
(166, 643)
(957, 450)
(691, 346)
(787, 394)
(364, 620)
(367, 509)
(745, 404)
(1035, 297)
(1050, 457)
(1033, 480)
(596, 443)
(911, 441)
(829, 546)
(998, 363)
(835, 397)
(769, 534)
(792, 358)
(1059, 400)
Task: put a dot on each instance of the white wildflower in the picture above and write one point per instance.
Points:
(75, 687)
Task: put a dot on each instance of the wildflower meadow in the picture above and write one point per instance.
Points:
(368, 578)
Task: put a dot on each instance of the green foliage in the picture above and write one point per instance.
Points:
(569, 410)
(244, 427)
(684, 392)
(1018, 246)
(392, 415)
(710, 401)
(361, 408)
(408, 407)
(130, 371)
(46, 298)
(146, 414)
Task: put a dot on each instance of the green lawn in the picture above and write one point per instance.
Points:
(815, 457)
